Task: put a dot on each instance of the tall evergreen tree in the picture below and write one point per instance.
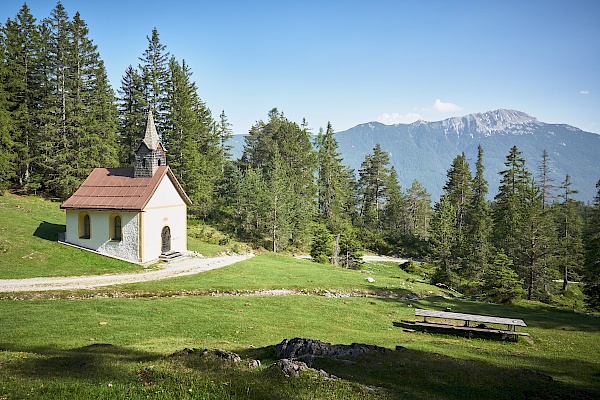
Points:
(298, 163)
(479, 225)
(592, 254)
(374, 177)
(132, 108)
(154, 69)
(333, 182)
(191, 139)
(545, 180)
(458, 188)
(7, 156)
(225, 133)
(24, 89)
(443, 237)
(508, 215)
(569, 227)
(418, 212)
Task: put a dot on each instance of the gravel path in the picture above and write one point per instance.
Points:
(187, 266)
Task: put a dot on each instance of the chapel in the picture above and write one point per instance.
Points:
(137, 214)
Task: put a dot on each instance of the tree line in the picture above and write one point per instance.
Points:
(290, 191)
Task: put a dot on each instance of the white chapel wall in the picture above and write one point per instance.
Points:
(165, 208)
(100, 240)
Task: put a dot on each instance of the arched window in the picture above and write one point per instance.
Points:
(143, 162)
(85, 226)
(115, 228)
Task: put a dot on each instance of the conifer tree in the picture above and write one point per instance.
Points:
(418, 212)
(154, 69)
(479, 225)
(442, 238)
(508, 215)
(592, 254)
(7, 156)
(569, 227)
(24, 89)
(458, 188)
(545, 180)
(132, 108)
(333, 182)
(225, 133)
(374, 177)
(191, 140)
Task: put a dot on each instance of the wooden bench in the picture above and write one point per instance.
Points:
(511, 323)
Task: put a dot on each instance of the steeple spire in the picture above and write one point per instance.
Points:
(150, 154)
(151, 137)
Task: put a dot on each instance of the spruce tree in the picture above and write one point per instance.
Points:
(592, 254)
(418, 210)
(194, 152)
(458, 188)
(569, 228)
(132, 108)
(545, 180)
(333, 182)
(154, 69)
(443, 238)
(508, 215)
(479, 225)
(24, 89)
(374, 177)
(7, 151)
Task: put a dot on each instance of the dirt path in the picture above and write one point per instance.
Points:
(183, 267)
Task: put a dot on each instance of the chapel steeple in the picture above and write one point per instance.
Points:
(150, 154)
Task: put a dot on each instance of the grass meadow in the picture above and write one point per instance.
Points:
(116, 342)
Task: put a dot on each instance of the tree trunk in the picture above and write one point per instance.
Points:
(565, 278)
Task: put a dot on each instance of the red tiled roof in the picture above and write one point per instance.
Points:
(118, 189)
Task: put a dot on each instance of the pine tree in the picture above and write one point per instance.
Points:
(442, 238)
(569, 226)
(191, 139)
(333, 182)
(374, 176)
(500, 283)
(225, 133)
(458, 188)
(592, 254)
(479, 225)
(545, 180)
(132, 115)
(154, 69)
(7, 156)
(24, 89)
(298, 163)
(321, 248)
(280, 205)
(508, 215)
(418, 212)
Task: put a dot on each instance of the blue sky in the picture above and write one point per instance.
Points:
(351, 62)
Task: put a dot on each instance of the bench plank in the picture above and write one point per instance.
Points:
(467, 328)
(469, 317)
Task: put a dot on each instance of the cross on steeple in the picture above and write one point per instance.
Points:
(150, 153)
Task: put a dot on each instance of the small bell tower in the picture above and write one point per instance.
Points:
(150, 154)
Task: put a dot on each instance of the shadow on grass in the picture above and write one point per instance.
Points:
(535, 315)
(418, 374)
(96, 362)
(49, 231)
(402, 373)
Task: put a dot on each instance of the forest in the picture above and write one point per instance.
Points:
(290, 191)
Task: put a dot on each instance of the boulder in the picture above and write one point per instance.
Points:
(308, 349)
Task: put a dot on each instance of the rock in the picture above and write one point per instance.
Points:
(299, 347)
(291, 368)
(369, 279)
(223, 354)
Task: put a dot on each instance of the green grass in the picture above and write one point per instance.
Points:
(95, 345)
(29, 247)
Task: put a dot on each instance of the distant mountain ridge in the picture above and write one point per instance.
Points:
(425, 150)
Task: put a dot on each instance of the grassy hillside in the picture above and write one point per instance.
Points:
(29, 247)
(115, 342)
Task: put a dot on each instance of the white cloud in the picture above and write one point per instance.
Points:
(584, 92)
(442, 107)
(395, 118)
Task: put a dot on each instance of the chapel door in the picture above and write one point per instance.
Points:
(166, 240)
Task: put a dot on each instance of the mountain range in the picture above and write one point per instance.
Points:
(425, 150)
